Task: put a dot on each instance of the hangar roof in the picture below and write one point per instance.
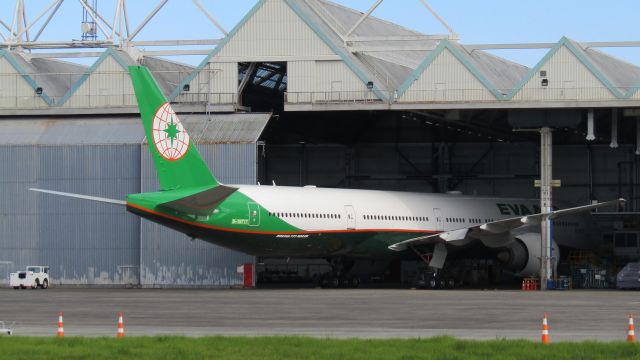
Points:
(622, 74)
(167, 73)
(240, 128)
(393, 67)
(204, 129)
(389, 55)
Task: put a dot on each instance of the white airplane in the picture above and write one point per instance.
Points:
(337, 224)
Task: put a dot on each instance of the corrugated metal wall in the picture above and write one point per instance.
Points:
(301, 76)
(84, 242)
(569, 79)
(216, 83)
(14, 89)
(275, 31)
(89, 243)
(446, 79)
(108, 85)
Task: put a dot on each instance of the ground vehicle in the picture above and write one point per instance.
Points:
(33, 277)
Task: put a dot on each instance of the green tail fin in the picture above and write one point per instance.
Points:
(178, 163)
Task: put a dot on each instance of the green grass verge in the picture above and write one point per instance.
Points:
(170, 347)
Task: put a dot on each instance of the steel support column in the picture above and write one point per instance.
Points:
(546, 165)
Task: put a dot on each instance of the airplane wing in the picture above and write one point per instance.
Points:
(495, 229)
(83, 197)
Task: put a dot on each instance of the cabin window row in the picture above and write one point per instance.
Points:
(305, 215)
(396, 218)
(565, 223)
(471, 221)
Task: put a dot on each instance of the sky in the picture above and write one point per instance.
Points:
(488, 21)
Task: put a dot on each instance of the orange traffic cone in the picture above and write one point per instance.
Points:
(120, 326)
(631, 333)
(60, 325)
(545, 330)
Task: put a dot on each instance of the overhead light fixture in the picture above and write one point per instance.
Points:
(370, 85)
(186, 87)
(39, 90)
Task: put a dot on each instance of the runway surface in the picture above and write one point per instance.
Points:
(362, 313)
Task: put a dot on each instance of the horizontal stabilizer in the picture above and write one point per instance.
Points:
(83, 197)
(201, 203)
(496, 230)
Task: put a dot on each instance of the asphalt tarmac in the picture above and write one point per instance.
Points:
(361, 313)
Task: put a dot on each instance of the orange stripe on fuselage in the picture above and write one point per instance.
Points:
(211, 227)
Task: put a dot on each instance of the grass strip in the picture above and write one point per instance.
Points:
(243, 348)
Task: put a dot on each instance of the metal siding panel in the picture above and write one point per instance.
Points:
(169, 258)
(300, 76)
(8, 80)
(108, 85)
(334, 81)
(217, 83)
(275, 30)
(14, 89)
(84, 243)
(446, 80)
(226, 128)
(330, 71)
(565, 69)
(117, 130)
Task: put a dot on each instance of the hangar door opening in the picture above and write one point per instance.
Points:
(262, 85)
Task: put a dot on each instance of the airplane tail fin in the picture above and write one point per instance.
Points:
(177, 161)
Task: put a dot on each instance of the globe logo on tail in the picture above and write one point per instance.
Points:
(169, 136)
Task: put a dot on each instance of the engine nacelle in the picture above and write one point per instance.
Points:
(523, 255)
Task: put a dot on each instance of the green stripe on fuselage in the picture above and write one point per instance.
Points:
(231, 225)
(233, 214)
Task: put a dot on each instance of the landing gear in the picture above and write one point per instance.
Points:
(338, 277)
(435, 274)
(432, 279)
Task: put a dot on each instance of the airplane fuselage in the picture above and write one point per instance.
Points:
(319, 222)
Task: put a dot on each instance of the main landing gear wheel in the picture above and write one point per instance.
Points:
(433, 283)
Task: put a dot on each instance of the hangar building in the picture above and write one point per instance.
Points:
(299, 92)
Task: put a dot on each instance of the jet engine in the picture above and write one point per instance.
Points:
(522, 256)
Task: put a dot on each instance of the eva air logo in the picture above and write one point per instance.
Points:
(169, 136)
